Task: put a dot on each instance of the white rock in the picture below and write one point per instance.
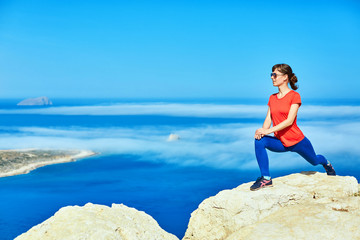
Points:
(40, 101)
(299, 206)
(97, 222)
(173, 137)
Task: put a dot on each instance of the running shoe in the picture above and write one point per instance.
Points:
(329, 169)
(261, 182)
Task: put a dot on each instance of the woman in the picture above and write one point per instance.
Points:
(282, 113)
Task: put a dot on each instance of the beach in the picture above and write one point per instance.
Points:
(22, 161)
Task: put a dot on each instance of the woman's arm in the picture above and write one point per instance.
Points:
(284, 124)
(266, 124)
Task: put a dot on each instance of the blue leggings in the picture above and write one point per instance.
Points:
(304, 148)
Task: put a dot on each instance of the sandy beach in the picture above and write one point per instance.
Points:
(22, 161)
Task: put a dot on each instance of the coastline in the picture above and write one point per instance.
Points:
(55, 159)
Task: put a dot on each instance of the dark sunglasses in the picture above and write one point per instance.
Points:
(275, 75)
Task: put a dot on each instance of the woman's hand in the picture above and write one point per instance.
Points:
(261, 132)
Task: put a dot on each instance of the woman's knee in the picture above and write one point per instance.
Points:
(259, 142)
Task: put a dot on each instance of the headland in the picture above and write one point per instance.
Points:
(22, 161)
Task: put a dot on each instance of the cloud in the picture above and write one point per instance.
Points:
(217, 145)
(336, 132)
(214, 145)
(191, 110)
(168, 109)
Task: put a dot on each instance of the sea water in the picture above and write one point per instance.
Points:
(138, 167)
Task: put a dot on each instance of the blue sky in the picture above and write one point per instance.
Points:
(177, 49)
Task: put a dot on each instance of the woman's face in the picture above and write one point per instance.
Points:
(278, 78)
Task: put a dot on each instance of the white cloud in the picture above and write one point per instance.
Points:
(218, 145)
(193, 110)
(170, 109)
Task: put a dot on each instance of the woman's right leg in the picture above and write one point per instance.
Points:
(267, 142)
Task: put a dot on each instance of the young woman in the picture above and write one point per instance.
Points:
(282, 113)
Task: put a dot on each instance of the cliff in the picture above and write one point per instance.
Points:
(40, 101)
(98, 222)
(299, 206)
(306, 205)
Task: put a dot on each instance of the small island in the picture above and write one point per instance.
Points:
(40, 101)
(14, 162)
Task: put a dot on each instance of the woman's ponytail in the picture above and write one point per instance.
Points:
(293, 80)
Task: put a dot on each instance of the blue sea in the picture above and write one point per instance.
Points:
(136, 164)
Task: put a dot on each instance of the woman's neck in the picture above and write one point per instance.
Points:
(283, 90)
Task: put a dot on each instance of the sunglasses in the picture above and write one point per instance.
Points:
(275, 75)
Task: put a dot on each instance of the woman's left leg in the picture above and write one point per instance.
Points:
(306, 150)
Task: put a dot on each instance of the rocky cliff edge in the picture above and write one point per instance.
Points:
(300, 206)
(97, 222)
(306, 205)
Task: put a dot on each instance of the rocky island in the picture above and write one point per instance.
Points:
(40, 101)
(307, 205)
(14, 162)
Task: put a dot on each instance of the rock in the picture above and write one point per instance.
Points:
(173, 137)
(40, 101)
(94, 222)
(299, 206)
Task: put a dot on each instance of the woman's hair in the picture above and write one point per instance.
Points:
(286, 69)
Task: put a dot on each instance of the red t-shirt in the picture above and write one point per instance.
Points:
(279, 109)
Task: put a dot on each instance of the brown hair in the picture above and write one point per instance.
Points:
(286, 69)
